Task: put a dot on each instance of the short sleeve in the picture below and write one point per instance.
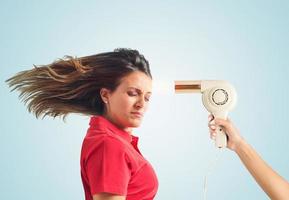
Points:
(107, 167)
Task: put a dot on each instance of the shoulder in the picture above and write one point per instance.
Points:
(103, 143)
(112, 142)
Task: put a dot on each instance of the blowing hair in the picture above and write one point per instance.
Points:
(72, 84)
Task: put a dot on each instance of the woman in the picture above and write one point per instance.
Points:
(115, 87)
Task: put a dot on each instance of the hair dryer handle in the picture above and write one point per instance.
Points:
(221, 137)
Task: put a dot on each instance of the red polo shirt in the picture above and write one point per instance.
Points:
(111, 162)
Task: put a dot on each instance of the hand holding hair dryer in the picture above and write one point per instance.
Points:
(218, 97)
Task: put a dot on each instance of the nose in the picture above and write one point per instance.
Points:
(140, 103)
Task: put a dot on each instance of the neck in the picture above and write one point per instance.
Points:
(127, 129)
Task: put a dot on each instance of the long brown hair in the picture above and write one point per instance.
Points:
(72, 85)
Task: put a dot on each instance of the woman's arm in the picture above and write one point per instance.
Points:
(274, 185)
(107, 196)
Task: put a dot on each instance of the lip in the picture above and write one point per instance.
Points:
(137, 114)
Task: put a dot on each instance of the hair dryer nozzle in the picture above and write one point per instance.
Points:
(187, 86)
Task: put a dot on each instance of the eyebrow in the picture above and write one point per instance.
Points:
(138, 89)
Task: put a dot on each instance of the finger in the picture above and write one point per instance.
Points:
(213, 134)
(212, 126)
(210, 116)
(212, 131)
(211, 122)
(213, 137)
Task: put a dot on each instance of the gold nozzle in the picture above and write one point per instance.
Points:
(187, 86)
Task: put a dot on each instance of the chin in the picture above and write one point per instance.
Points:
(135, 122)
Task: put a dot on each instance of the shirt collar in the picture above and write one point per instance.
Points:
(103, 123)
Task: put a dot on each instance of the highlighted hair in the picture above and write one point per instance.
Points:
(72, 85)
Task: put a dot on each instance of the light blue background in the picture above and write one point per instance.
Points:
(243, 42)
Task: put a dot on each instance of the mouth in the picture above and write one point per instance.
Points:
(137, 114)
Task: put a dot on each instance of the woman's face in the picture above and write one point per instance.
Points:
(127, 105)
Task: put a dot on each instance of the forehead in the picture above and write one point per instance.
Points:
(138, 80)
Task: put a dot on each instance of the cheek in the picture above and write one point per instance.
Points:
(129, 102)
(124, 103)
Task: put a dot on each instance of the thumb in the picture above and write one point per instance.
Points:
(219, 120)
(222, 122)
(227, 124)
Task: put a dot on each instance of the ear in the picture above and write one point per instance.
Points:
(104, 94)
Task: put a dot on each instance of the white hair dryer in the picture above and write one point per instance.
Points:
(218, 97)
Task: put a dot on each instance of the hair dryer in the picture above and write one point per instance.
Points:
(218, 97)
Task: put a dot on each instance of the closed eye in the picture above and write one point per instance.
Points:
(135, 94)
(132, 93)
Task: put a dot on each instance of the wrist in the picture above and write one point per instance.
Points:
(240, 145)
